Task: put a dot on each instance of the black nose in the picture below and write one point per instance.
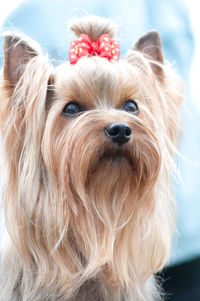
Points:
(119, 132)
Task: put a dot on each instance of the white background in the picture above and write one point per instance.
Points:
(194, 10)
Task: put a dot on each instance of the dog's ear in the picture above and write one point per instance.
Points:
(18, 51)
(150, 45)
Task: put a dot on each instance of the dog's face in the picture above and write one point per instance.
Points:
(101, 134)
(89, 147)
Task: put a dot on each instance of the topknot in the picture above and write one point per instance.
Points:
(93, 26)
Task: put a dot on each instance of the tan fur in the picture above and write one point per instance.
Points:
(82, 223)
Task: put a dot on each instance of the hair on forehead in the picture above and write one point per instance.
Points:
(96, 78)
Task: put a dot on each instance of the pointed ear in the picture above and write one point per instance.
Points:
(150, 45)
(18, 51)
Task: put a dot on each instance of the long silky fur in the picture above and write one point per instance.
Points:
(80, 224)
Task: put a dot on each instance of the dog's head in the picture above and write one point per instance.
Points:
(89, 149)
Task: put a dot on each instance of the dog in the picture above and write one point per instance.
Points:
(88, 146)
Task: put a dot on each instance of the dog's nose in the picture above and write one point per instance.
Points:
(119, 132)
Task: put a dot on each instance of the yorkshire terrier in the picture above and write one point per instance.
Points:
(88, 145)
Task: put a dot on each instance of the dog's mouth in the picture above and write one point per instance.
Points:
(112, 166)
(116, 156)
(111, 163)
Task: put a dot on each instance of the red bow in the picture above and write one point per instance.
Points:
(104, 47)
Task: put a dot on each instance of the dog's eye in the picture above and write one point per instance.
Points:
(72, 109)
(131, 106)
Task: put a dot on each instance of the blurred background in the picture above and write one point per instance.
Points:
(178, 23)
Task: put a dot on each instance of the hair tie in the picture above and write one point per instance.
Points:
(103, 47)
